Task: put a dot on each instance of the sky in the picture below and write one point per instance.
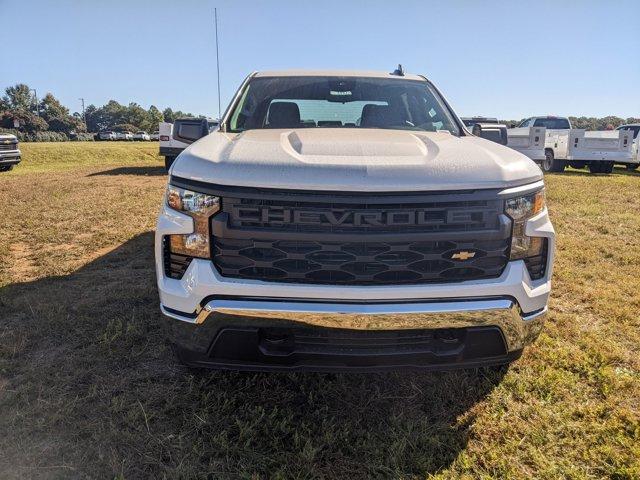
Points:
(508, 59)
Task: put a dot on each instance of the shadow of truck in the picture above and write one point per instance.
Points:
(88, 387)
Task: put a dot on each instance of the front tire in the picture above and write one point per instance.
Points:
(551, 164)
(168, 161)
(6, 168)
(632, 167)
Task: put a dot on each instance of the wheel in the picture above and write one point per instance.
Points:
(632, 166)
(601, 167)
(168, 161)
(551, 164)
(577, 165)
(6, 168)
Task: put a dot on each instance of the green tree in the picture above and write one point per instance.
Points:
(154, 118)
(171, 116)
(134, 114)
(67, 124)
(50, 107)
(19, 97)
(125, 127)
(27, 121)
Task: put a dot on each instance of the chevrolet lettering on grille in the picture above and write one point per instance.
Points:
(358, 218)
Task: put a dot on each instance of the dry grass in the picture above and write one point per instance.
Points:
(88, 388)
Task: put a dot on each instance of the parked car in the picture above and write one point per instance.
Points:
(635, 129)
(155, 136)
(124, 136)
(175, 137)
(390, 239)
(141, 136)
(578, 148)
(9, 152)
(106, 135)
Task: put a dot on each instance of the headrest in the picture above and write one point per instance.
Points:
(377, 116)
(284, 115)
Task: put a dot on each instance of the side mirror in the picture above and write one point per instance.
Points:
(188, 130)
(491, 131)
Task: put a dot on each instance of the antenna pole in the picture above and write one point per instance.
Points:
(215, 13)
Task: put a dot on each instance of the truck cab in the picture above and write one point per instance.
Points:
(548, 122)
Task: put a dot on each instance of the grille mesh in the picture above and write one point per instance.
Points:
(361, 263)
(8, 146)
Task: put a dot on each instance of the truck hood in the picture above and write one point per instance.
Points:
(369, 160)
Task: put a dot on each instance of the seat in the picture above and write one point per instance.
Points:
(380, 116)
(284, 115)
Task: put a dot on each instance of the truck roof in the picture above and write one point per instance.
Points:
(336, 73)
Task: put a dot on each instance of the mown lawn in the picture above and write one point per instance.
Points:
(89, 389)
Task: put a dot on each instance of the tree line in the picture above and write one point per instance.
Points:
(32, 120)
(21, 112)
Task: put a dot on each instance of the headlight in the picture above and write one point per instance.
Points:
(521, 208)
(530, 249)
(200, 207)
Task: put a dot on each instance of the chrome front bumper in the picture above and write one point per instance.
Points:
(518, 329)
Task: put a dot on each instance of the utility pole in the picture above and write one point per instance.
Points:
(84, 117)
(215, 13)
(35, 94)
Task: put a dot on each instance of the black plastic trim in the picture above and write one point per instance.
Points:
(220, 229)
(270, 347)
(331, 195)
(171, 151)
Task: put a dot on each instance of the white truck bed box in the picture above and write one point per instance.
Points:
(529, 141)
(581, 145)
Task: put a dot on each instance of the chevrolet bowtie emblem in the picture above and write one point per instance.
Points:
(463, 255)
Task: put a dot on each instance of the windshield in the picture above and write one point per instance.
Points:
(340, 102)
(552, 123)
(634, 128)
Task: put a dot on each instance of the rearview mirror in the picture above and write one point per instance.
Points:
(491, 131)
(189, 130)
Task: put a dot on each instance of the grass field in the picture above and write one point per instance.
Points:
(89, 389)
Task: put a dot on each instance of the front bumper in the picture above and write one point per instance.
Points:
(9, 157)
(259, 334)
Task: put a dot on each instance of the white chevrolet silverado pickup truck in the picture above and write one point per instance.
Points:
(349, 221)
(9, 152)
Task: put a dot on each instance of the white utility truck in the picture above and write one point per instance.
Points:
(348, 220)
(578, 148)
(175, 137)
